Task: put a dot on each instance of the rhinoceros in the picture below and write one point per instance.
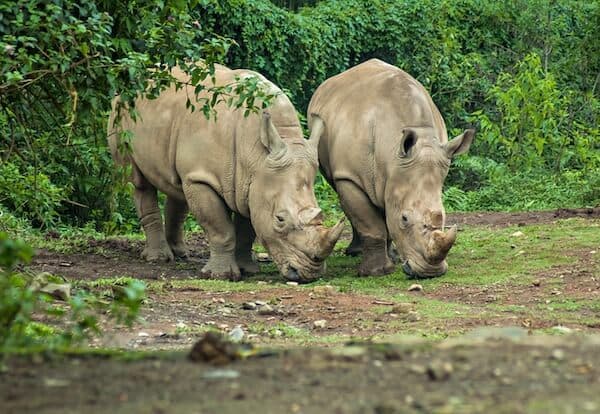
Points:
(242, 177)
(385, 150)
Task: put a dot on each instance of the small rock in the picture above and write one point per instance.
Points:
(260, 302)
(58, 291)
(517, 234)
(56, 382)
(413, 316)
(562, 329)
(402, 308)
(236, 334)
(292, 283)
(263, 257)
(266, 310)
(249, 306)
(536, 282)
(320, 324)
(520, 252)
(65, 264)
(221, 374)
(593, 251)
(558, 354)
(417, 369)
(143, 334)
(439, 371)
(415, 287)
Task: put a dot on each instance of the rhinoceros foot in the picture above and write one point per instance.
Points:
(162, 254)
(376, 266)
(179, 250)
(221, 268)
(248, 268)
(353, 250)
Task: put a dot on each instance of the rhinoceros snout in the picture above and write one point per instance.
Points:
(294, 275)
(412, 273)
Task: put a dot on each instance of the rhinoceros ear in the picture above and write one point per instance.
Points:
(269, 136)
(408, 140)
(317, 126)
(460, 144)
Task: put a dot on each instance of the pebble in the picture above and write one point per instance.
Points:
(517, 234)
(439, 371)
(415, 287)
(236, 334)
(221, 374)
(249, 306)
(413, 316)
(143, 334)
(562, 329)
(266, 310)
(260, 302)
(536, 282)
(263, 257)
(320, 324)
(558, 354)
(292, 283)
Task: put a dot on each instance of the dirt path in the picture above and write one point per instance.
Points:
(476, 375)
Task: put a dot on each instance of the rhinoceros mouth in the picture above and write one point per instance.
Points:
(305, 272)
(423, 273)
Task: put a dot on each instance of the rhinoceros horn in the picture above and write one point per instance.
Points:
(331, 237)
(439, 244)
(316, 130)
(270, 137)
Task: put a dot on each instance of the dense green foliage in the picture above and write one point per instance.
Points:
(62, 62)
(525, 73)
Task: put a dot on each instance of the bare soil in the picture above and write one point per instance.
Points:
(551, 374)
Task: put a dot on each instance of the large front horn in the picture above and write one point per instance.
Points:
(317, 126)
(331, 237)
(270, 137)
(439, 245)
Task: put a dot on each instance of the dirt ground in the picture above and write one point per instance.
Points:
(512, 372)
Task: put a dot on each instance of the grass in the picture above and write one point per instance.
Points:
(482, 258)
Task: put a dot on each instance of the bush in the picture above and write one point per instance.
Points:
(65, 324)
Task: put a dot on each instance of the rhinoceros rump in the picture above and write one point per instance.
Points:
(241, 177)
(385, 150)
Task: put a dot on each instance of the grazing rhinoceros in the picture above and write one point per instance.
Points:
(241, 177)
(385, 150)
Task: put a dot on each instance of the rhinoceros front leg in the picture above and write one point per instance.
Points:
(146, 203)
(355, 247)
(370, 228)
(215, 218)
(244, 238)
(175, 213)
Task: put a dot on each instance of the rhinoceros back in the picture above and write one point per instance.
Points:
(365, 109)
(171, 144)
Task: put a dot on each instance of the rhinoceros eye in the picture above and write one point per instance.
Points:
(281, 220)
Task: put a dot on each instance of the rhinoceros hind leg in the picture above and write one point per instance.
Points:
(244, 238)
(370, 227)
(175, 213)
(355, 247)
(146, 203)
(215, 218)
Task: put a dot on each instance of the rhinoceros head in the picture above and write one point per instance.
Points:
(416, 218)
(283, 207)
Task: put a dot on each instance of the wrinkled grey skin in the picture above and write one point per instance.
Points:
(241, 177)
(385, 150)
